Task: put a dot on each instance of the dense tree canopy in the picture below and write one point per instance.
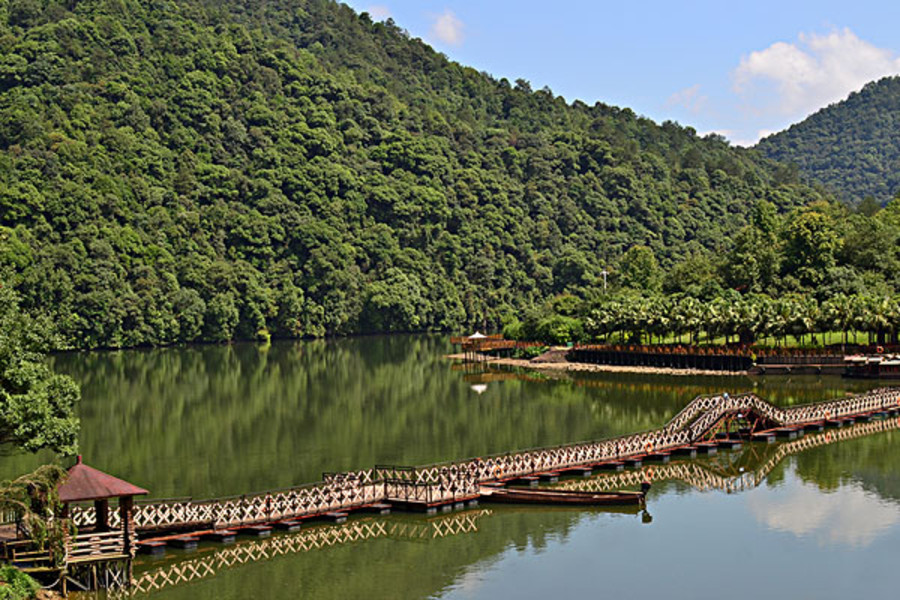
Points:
(853, 147)
(181, 170)
(37, 406)
(819, 269)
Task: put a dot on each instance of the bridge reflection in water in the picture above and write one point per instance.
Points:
(210, 563)
(731, 472)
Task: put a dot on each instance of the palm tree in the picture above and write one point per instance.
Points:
(862, 314)
(881, 317)
(691, 312)
(746, 313)
(804, 317)
(837, 313)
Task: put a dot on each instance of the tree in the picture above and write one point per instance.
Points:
(571, 270)
(751, 265)
(837, 313)
(870, 244)
(695, 275)
(271, 182)
(811, 243)
(639, 270)
(393, 304)
(189, 309)
(221, 318)
(869, 206)
(37, 406)
(34, 500)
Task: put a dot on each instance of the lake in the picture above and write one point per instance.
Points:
(202, 421)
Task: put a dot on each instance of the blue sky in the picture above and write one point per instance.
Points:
(742, 69)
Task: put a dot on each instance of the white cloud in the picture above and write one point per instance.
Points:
(448, 28)
(690, 98)
(811, 73)
(849, 516)
(379, 12)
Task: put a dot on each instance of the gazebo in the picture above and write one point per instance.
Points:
(472, 344)
(99, 538)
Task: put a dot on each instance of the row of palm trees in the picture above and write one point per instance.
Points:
(743, 319)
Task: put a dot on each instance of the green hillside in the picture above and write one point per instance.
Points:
(853, 147)
(181, 170)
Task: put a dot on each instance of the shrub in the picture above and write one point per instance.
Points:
(16, 585)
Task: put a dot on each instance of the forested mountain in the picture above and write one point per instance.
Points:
(853, 146)
(180, 170)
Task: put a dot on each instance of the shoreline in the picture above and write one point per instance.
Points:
(577, 367)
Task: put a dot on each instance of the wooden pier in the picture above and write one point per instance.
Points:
(701, 477)
(698, 474)
(425, 488)
(478, 347)
(704, 425)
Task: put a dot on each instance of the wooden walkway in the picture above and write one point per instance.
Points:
(428, 487)
(703, 477)
(699, 475)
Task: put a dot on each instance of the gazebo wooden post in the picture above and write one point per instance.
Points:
(126, 513)
(101, 508)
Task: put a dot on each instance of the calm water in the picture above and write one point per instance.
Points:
(207, 421)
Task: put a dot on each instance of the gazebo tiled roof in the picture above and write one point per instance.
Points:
(87, 483)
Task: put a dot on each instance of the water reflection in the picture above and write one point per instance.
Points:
(217, 420)
(208, 421)
(847, 516)
(153, 575)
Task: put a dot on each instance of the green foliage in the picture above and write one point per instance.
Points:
(639, 270)
(811, 243)
(198, 170)
(557, 321)
(529, 352)
(514, 330)
(696, 275)
(852, 146)
(394, 303)
(37, 406)
(34, 500)
(558, 329)
(221, 318)
(16, 585)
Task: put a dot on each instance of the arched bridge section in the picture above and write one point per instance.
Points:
(703, 477)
